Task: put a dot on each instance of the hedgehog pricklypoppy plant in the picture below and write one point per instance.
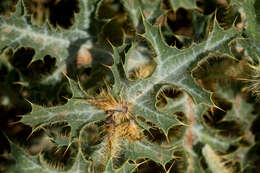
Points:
(176, 102)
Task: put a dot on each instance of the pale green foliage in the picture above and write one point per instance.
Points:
(186, 111)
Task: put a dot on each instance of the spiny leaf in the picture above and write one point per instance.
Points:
(126, 168)
(16, 29)
(145, 149)
(173, 68)
(25, 163)
(249, 10)
(252, 27)
(76, 112)
(253, 53)
(114, 68)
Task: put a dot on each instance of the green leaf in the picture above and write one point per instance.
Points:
(145, 149)
(76, 112)
(114, 68)
(17, 30)
(25, 163)
(251, 51)
(173, 68)
(252, 26)
(126, 168)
